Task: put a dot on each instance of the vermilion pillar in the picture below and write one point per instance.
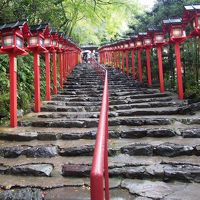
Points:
(61, 69)
(67, 64)
(139, 65)
(133, 64)
(36, 81)
(64, 60)
(13, 90)
(118, 60)
(179, 71)
(115, 59)
(54, 73)
(123, 61)
(160, 68)
(127, 67)
(110, 58)
(148, 56)
(47, 63)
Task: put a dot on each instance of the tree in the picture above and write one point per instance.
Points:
(84, 20)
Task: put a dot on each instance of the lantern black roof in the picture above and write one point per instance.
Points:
(12, 25)
(134, 37)
(61, 34)
(172, 21)
(38, 27)
(142, 34)
(192, 7)
(54, 31)
(154, 29)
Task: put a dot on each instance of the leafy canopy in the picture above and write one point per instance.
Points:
(87, 21)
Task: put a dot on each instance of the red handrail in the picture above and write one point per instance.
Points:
(99, 173)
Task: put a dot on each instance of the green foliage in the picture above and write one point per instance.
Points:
(163, 9)
(4, 86)
(86, 21)
(25, 83)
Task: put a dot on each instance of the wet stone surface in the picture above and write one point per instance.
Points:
(86, 150)
(36, 169)
(172, 150)
(185, 173)
(22, 194)
(85, 135)
(76, 170)
(32, 170)
(12, 152)
(41, 151)
(165, 149)
(138, 149)
(191, 133)
(148, 189)
(36, 151)
(23, 136)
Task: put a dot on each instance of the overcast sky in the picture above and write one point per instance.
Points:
(147, 3)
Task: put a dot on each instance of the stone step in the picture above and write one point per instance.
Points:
(144, 105)
(112, 102)
(123, 132)
(151, 146)
(88, 114)
(136, 95)
(90, 123)
(123, 189)
(164, 172)
(59, 106)
(151, 139)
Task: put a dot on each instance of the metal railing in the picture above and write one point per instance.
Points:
(99, 177)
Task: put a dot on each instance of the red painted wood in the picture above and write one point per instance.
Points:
(37, 82)
(13, 90)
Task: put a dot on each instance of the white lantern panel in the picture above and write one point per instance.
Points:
(132, 44)
(42, 42)
(159, 38)
(138, 43)
(147, 41)
(176, 32)
(194, 23)
(19, 42)
(47, 42)
(60, 45)
(33, 41)
(54, 43)
(8, 40)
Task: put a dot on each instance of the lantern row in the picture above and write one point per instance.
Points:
(18, 38)
(155, 38)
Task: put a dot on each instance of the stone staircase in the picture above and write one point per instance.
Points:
(154, 143)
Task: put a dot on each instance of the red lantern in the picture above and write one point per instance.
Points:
(175, 28)
(192, 15)
(36, 40)
(36, 45)
(12, 37)
(177, 35)
(158, 42)
(12, 43)
(147, 44)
